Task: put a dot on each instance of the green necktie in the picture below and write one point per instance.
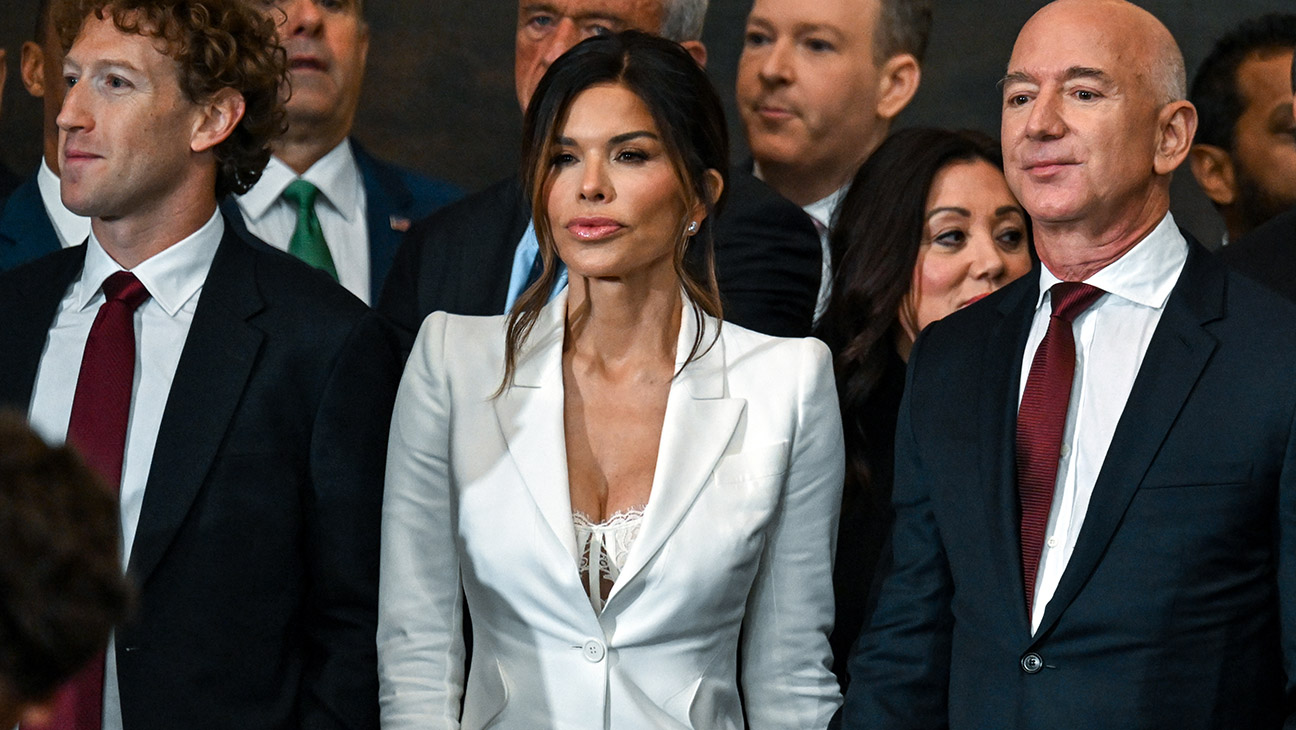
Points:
(307, 241)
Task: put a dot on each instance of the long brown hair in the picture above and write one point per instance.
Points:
(690, 117)
(875, 249)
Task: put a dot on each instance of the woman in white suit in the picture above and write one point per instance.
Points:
(632, 498)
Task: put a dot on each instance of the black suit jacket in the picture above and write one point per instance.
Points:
(1177, 608)
(26, 231)
(1268, 254)
(256, 554)
(459, 259)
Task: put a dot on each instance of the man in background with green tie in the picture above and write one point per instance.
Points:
(323, 198)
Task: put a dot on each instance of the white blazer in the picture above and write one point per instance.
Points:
(737, 541)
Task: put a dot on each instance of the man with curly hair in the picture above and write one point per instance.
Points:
(236, 398)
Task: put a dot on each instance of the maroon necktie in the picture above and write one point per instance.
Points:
(97, 430)
(1041, 420)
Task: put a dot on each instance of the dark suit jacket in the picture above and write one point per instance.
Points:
(394, 198)
(256, 554)
(1177, 608)
(9, 181)
(1268, 254)
(768, 259)
(26, 232)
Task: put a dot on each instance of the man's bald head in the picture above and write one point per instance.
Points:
(1138, 37)
(1094, 121)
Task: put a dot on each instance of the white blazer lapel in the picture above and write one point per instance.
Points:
(700, 422)
(530, 414)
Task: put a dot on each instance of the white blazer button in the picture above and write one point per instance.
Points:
(594, 651)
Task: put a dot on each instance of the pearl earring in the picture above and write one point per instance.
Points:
(692, 227)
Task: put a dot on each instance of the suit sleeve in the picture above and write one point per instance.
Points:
(899, 670)
(348, 450)
(786, 670)
(399, 300)
(1287, 574)
(768, 262)
(420, 621)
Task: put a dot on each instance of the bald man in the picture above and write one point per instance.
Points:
(1095, 522)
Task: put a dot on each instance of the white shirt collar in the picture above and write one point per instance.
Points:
(71, 228)
(336, 174)
(172, 277)
(1145, 275)
(824, 210)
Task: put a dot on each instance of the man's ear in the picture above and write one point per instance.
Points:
(219, 116)
(697, 51)
(32, 65)
(898, 81)
(714, 187)
(1213, 169)
(1177, 123)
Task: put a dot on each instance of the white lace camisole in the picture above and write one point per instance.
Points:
(603, 547)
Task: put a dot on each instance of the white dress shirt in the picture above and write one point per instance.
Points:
(524, 257)
(824, 214)
(71, 228)
(1111, 339)
(340, 207)
(174, 279)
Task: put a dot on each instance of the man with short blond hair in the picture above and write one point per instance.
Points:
(819, 84)
(1095, 524)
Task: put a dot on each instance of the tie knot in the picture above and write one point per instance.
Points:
(125, 288)
(1070, 298)
(301, 193)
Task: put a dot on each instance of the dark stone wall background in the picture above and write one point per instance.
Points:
(439, 89)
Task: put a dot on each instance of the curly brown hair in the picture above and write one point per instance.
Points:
(61, 583)
(216, 44)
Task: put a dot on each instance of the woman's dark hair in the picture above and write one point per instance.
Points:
(875, 244)
(690, 118)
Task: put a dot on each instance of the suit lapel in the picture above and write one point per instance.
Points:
(30, 309)
(530, 414)
(1001, 366)
(699, 423)
(1177, 354)
(218, 357)
(387, 204)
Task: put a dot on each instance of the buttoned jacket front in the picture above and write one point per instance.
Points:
(737, 538)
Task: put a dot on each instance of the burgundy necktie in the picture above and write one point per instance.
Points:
(1041, 420)
(97, 430)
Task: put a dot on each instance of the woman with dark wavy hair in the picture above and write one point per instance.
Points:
(621, 489)
(929, 226)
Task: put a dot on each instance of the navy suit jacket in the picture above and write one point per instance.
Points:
(1268, 254)
(767, 256)
(1177, 608)
(394, 197)
(256, 554)
(26, 231)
